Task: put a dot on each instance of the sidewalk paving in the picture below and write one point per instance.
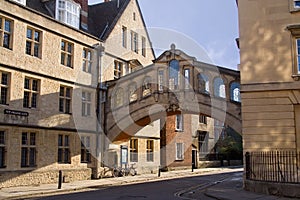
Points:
(217, 191)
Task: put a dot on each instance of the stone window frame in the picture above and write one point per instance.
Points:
(219, 88)
(203, 83)
(187, 78)
(65, 99)
(4, 88)
(292, 6)
(179, 122)
(203, 137)
(6, 32)
(134, 150)
(33, 42)
(67, 53)
(86, 103)
(134, 42)
(150, 150)
(87, 60)
(235, 92)
(3, 150)
(124, 36)
(63, 150)
(118, 69)
(85, 149)
(144, 46)
(28, 149)
(31, 92)
(161, 80)
(295, 35)
(202, 119)
(179, 151)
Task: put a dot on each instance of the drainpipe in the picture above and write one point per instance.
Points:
(100, 138)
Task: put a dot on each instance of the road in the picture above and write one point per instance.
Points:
(181, 188)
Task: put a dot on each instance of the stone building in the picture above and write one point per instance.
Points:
(52, 53)
(269, 47)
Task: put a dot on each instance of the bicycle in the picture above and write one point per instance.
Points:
(130, 170)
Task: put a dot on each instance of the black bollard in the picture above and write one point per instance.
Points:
(159, 171)
(59, 179)
(192, 167)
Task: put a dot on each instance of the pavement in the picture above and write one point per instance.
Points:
(223, 190)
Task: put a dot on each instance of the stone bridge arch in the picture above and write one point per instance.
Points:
(154, 92)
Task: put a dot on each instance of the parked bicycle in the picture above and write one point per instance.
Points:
(119, 171)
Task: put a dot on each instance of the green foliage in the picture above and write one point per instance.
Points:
(231, 145)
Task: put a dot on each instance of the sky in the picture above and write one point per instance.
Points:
(205, 29)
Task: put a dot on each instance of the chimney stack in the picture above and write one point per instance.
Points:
(83, 13)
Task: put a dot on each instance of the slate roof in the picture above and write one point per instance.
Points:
(38, 6)
(104, 16)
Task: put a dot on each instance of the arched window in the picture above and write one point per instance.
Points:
(203, 83)
(235, 94)
(119, 98)
(132, 92)
(219, 88)
(146, 87)
(173, 75)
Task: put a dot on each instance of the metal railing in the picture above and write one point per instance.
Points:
(273, 166)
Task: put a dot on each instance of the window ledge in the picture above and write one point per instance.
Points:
(296, 77)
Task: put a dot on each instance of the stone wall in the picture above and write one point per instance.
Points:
(23, 178)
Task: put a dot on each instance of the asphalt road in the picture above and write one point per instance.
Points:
(169, 189)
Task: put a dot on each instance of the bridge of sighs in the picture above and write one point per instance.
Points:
(174, 83)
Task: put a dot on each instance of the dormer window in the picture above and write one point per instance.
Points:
(23, 2)
(68, 12)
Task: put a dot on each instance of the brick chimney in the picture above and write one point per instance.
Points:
(83, 13)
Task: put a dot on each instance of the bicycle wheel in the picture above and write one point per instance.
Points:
(132, 172)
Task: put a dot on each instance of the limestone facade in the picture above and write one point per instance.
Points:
(269, 74)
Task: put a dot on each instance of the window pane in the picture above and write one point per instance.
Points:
(62, 59)
(29, 34)
(28, 47)
(27, 83)
(63, 45)
(34, 100)
(36, 36)
(36, 50)
(6, 40)
(68, 92)
(69, 61)
(61, 105)
(34, 85)
(68, 106)
(4, 79)
(24, 139)
(24, 153)
(61, 91)
(2, 156)
(32, 138)
(66, 140)
(26, 100)
(60, 140)
(3, 97)
(69, 48)
(32, 156)
(59, 155)
(7, 26)
(2, 137)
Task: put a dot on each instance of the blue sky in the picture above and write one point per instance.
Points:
(205, 29)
